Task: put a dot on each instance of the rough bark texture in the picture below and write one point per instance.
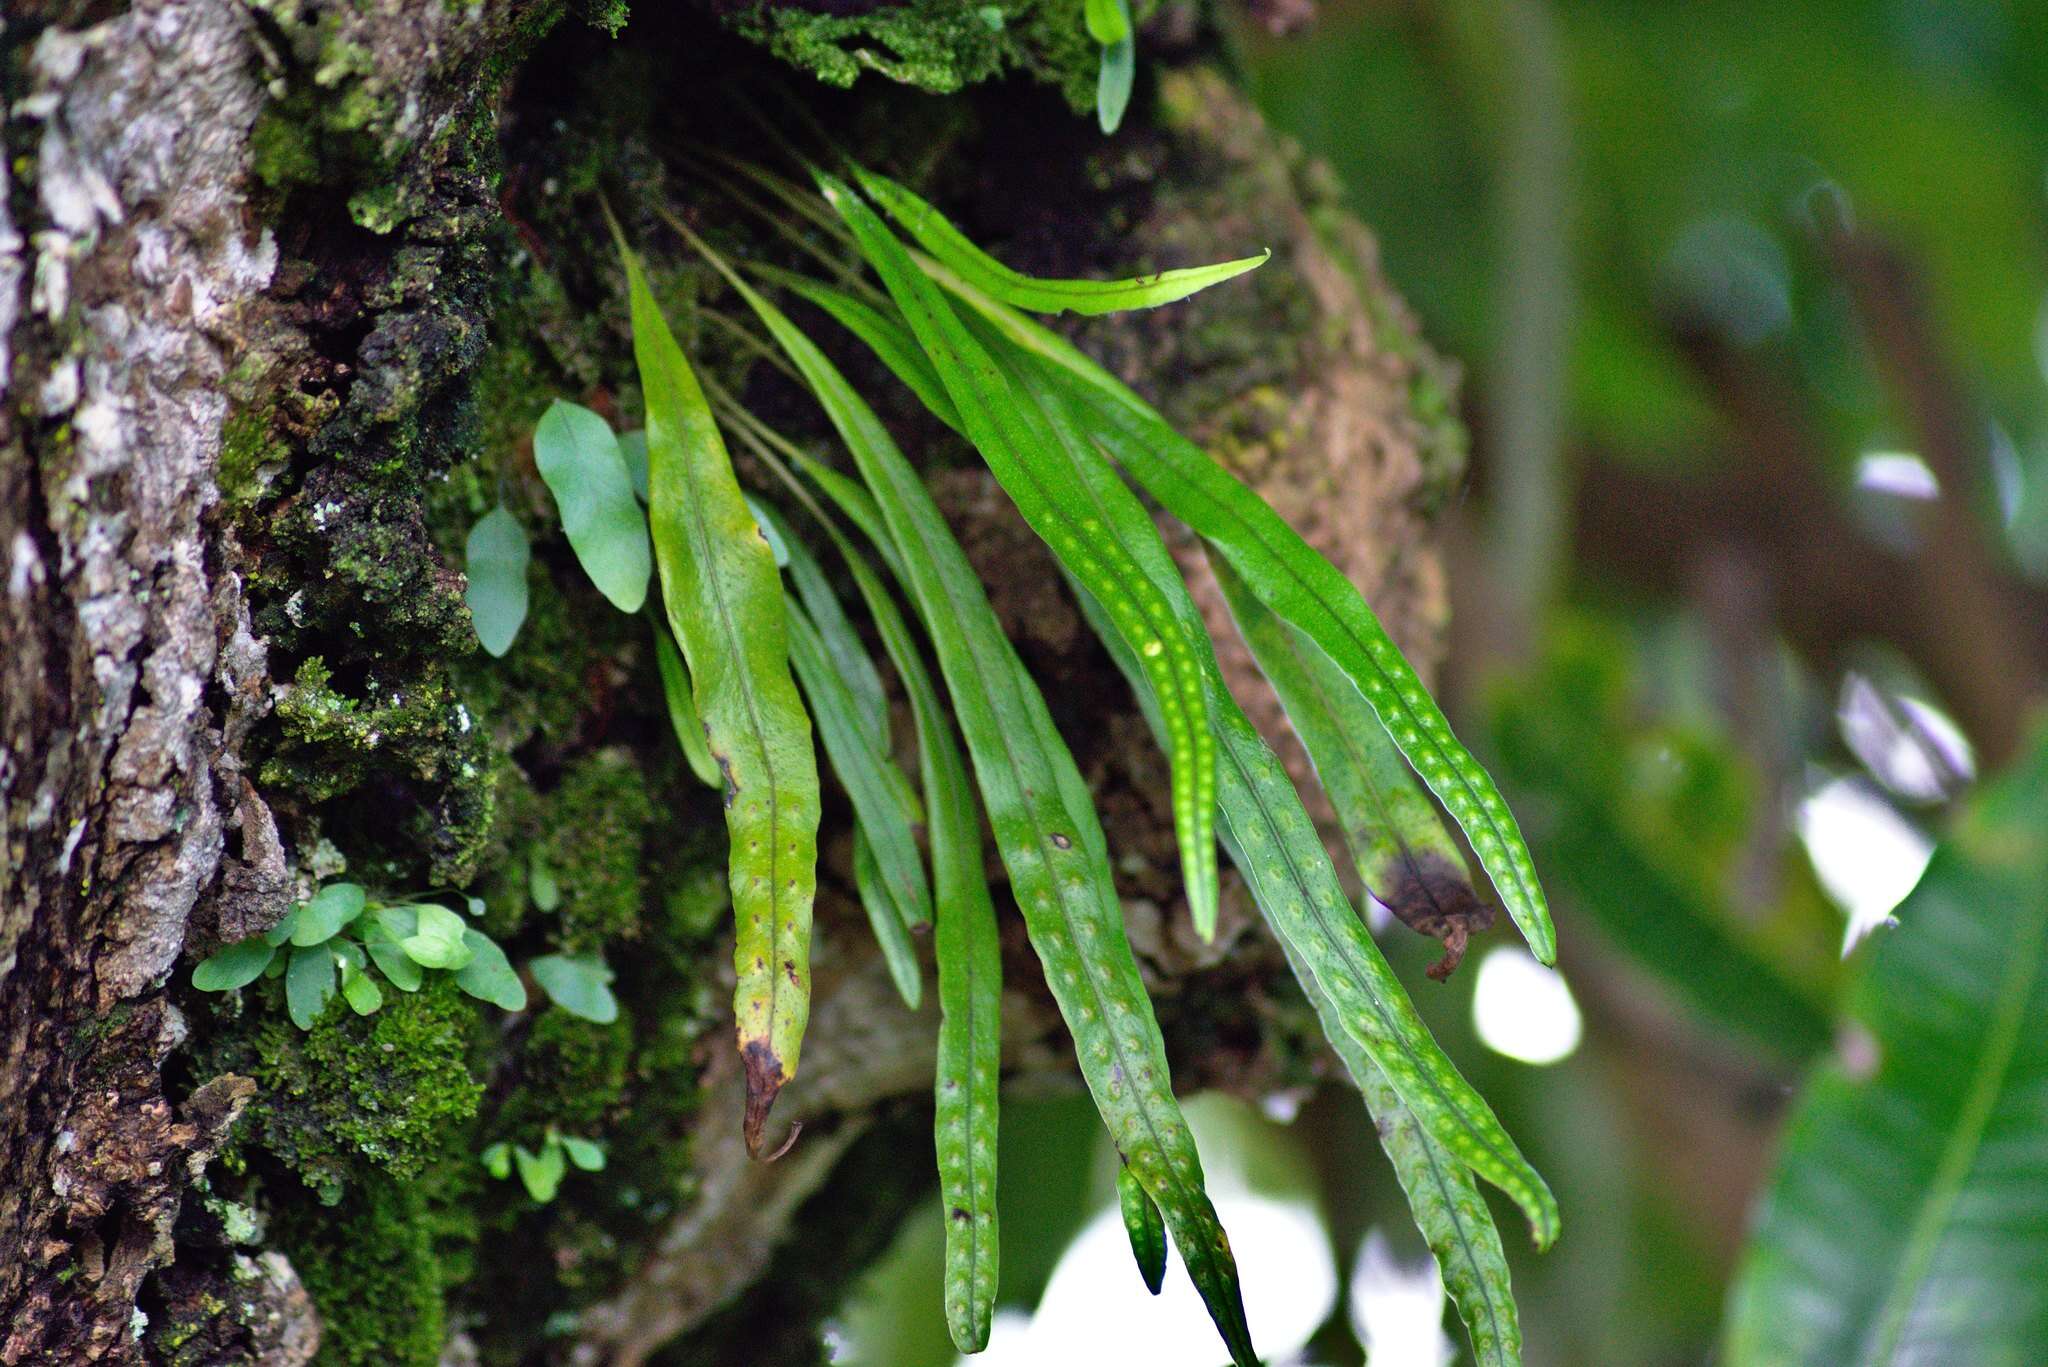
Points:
(282, 288)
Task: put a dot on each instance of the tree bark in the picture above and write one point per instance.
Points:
(279, 289)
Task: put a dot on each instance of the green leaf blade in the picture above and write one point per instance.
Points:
(489, 976)
(931, 231)
(682, 709)
(309, 984)
(724, 604)
(580, 459)
(326, 912)
(1906, 1221)
(1113, 82)
(237, 965)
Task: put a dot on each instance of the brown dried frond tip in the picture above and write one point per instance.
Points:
(1432, 895)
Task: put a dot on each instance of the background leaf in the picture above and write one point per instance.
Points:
(580, 459)
(1908, 1219)
(496, 556)
(580, 985)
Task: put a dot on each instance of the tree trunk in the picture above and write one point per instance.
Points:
(282, 291)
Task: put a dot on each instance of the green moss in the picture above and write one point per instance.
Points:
(572, 1073)
(936, 45)
(363, 1095)
(375, 1274)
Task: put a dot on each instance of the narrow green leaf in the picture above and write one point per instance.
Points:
(633, 446)
(1050, 839)
(1907, 1221)
(891, 928)
(682, 708)
(1093, 524)
(1303, 589)
(488, 976)
(309, 984)
(1113, 81)
(324, 914)
(496, 556)
(238, 965)
(580, 985)
(1276, 849)
(1447, 1207)
(859, 762)
(1404, 854)
(884, 333)
(541, 1173)
(970, 970)
(1109, 21)
(586, 471)
(724, 603)
(1147, 1232)
(937, 235)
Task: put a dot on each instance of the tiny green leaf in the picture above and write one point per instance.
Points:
(438, 940)
(309, 984)
(393, 962)
(580, 459)
(540, 1172)
(1109, 21)
(541, 885)
(238, 965)
(584, 1153)
(579, 985)
(329, 909)
(360, 991)
(1113, 82)
(282, 931)
(488, 975)
(497, 1159)
(497, 555)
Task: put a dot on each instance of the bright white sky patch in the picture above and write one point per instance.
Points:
(1397, 1309)
(1524, 1010)
(1865, 854)
(1095, 1312)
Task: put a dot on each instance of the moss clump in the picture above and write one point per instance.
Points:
(936, 45)
(587, 835)
(358, 1096)
(572, 1073)
(377, 1274)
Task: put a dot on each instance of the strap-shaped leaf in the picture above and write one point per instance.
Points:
(724, 603)
(586, 471)
(1276, 849)
(1050, 839)
(682, 708)
(966, 1089)
(1090, 525)
(1908, 1218)
(885, 334)
(857, 758)
(931, 230)
(1403, 853)
(1447, 1206)
(1302, 588)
